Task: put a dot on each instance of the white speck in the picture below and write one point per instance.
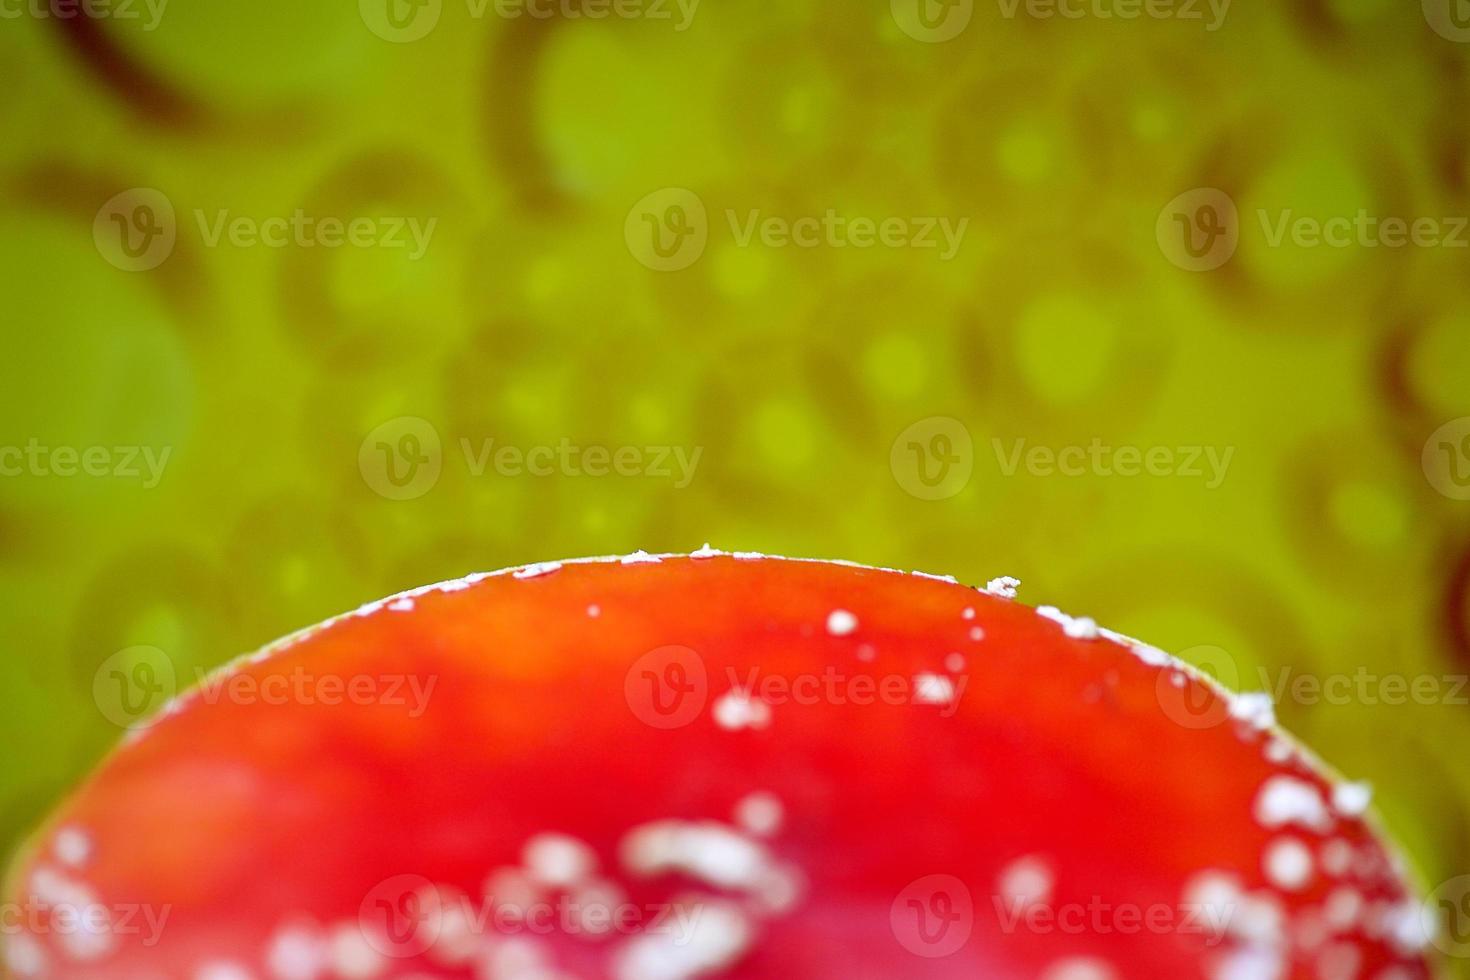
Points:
(968, 612)
(352, 957)
(954, 663)
(707, 850)
(759, 814)
(1005, 586)
(516, 958)
(24, 955)
(1080, 968)
(777, 890)
(1409, 926)
(403, 604)
(558, 861)
(537, 570)
(1214, 895)
(594, 610)
(737, 710)
(1337, 857)
(706, 552)
(1255, 709)
(976, 633)
(1286, 800)
(508, 890)
(222, 971)
(1342, 908)
(840, 622)
(933, 689)
(640, 558)
(866, 653)
(718, 934)
(1288, 864)
(1250, 963)
(1026, 881)
(1278, 750)
(1352, 799)
(595, 905)
(298, 952)
(1340, 961)
(1077, 627)
(73, 847)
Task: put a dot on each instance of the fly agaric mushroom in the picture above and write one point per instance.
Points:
(663, 768)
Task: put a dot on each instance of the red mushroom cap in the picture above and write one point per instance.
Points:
(662, 768)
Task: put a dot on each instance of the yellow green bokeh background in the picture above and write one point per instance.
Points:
(1326, 549)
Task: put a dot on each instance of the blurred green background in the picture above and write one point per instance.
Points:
(586, 283)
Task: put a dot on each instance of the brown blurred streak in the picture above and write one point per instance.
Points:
(511, 127)
(1455, 606)
(60, 188)
(157, 101)
(154, 98)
